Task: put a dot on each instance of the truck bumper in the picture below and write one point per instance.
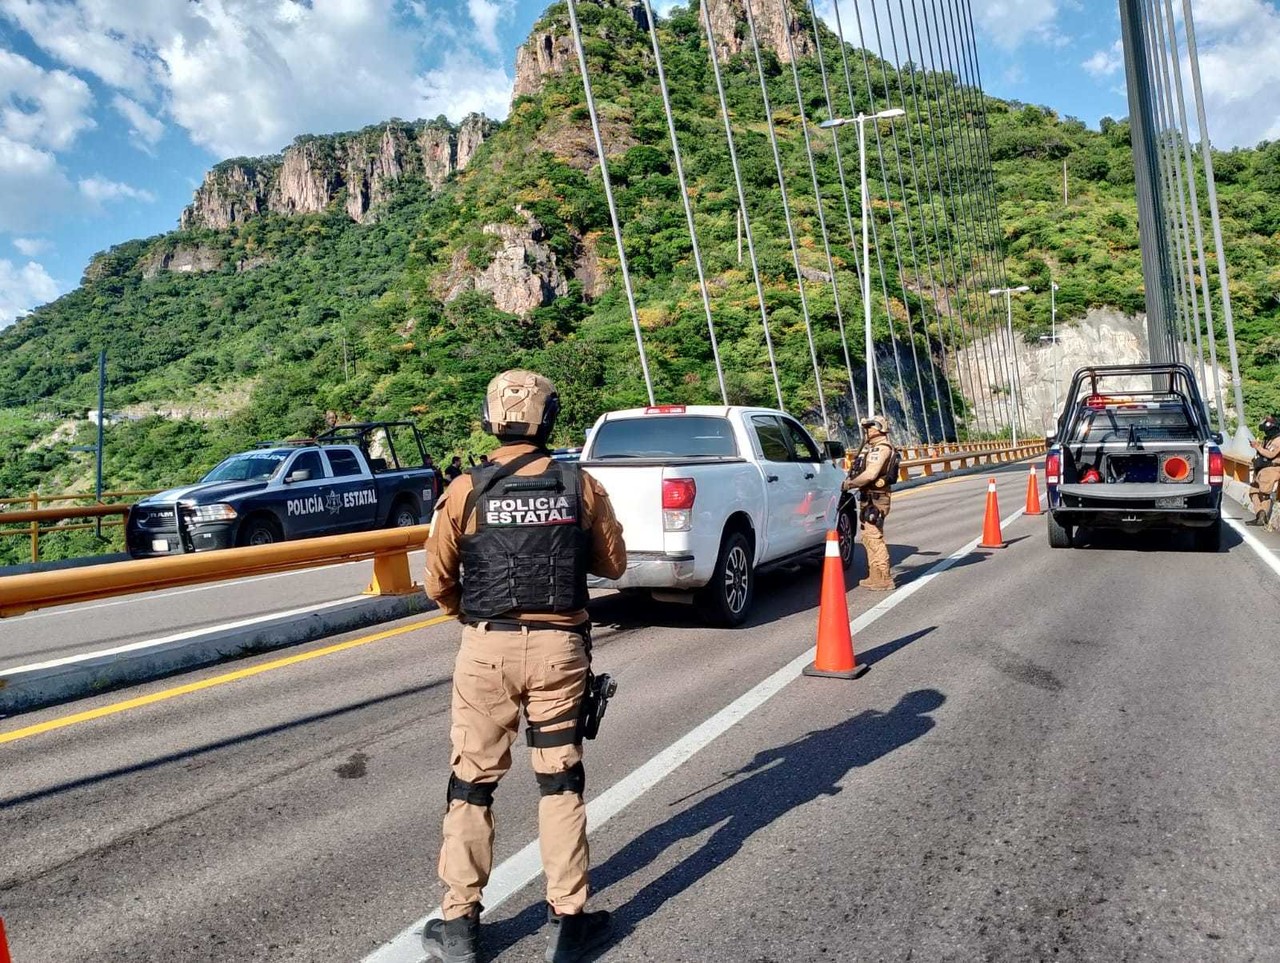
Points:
(654, 570)
(198, 538)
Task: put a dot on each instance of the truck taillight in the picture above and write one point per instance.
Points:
(1052, 468)
(678, 495)
(1215, 467)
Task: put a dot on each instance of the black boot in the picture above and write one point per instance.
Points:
(572, 937)
(454, 941)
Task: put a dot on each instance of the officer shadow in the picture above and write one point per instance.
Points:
(775, 783)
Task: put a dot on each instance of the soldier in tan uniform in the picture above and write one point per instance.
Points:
(509, 553)
(872, 475)
(1266, 468)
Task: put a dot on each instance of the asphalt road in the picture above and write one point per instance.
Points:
(1055, 755)
(71, 630)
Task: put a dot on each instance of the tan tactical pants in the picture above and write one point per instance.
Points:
(496, 675)
(878, 566)
(1263, 484)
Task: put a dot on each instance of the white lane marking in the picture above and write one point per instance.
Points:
(170, 593)
(522, 868)
(180, 636)
(1255, 543)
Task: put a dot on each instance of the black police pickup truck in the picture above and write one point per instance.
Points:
(349, 479)
(1133, 451)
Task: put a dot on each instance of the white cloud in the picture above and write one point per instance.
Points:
(144, 129)
(23, 288)
(33, 187)
(98, 190)
(1010, 23)
(1106, 63)
(42, 108)
(246, 76)
(32, 246)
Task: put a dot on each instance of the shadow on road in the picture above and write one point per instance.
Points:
(778, 781)
(1111, 540)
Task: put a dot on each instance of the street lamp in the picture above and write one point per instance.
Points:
(861, 120)
(1053, 329)
(1013, 362)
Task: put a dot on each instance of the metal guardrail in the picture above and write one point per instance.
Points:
(32, 515)
(1237, 468)
(388, 549)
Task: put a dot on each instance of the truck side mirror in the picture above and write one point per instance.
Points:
(1050, 437)
(1217, 437)
(300, 475)
(834, 449)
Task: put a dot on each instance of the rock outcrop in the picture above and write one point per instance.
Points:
(313, 172)
(523, 273)
(183, 259)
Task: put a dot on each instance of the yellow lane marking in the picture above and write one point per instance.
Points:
(190, 687)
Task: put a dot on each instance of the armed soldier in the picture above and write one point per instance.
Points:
(1266, 469)
(872, 474)
(525, 531)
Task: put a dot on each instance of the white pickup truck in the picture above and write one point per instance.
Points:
(708, 495)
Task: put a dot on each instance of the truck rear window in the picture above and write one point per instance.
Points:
(664, 436)
(1165, 423)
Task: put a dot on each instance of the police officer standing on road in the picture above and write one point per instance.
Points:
(509, 552)
(874, 470)
(1266, 468)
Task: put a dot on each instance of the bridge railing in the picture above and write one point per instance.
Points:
(388, 549)
(24, 518)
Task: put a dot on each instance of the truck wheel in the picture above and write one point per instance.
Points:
(727, 597)
(403, 515)
(260, 531)
(1209, 539)
(847, 529)
(1059, 534)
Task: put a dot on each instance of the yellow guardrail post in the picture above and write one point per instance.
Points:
(35, 530)
(391, 575)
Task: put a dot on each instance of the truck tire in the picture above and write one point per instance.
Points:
(1209, 539)
(847, 529)
(260, 531)
(403, 515)
(726, 599)
(1059, 534)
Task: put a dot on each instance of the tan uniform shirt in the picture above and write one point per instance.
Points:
(877, 455)
(608, 552)
(1270, 450)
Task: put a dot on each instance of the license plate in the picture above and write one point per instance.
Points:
(1171, 503)
(159, 545)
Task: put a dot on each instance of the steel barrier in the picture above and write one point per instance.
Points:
(32, 515)
(965, 459)
(1237, 468)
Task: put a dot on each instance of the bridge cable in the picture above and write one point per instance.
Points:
(1175, 60)
(608, 193)
(1206, 152)
(742, 197)
(786, 213)
(684, 196)
(897, 248)
(982, 206)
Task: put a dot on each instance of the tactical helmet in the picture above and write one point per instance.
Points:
(877, 423)
(1270, 427)
(520, 404)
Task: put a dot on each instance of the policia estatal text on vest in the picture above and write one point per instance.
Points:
(510, 549)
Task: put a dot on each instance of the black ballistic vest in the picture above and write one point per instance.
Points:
(530, 551)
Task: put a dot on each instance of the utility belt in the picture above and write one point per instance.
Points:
(870, 513)
(582, 629)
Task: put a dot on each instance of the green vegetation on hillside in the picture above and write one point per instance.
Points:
(317, 313)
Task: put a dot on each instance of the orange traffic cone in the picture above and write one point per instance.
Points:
(834, 658)
(4, 946)
(991, 537)
(1033, 494)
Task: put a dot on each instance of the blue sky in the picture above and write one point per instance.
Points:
(112, 110)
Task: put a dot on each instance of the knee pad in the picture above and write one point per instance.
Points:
(572, 780)
(472, 793)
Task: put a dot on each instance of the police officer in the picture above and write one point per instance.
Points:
(1266, 468)
(874, 470)
(510, 550)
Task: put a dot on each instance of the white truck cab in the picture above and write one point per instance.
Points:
(707, 495)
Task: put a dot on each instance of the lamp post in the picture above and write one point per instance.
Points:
(861, 120)
(1013, 361)
(1053, 330)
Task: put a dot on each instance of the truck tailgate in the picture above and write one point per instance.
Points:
(636, 494)
(1121, 491)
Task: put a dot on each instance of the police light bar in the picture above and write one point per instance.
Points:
(665, 410)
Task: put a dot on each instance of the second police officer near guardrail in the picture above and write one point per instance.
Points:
(1266, 469)
(510, 550)
(872, 474)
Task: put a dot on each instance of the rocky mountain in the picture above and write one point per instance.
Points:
(361, 168)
